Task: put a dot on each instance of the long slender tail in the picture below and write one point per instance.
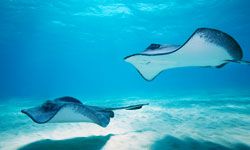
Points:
(240, 61)
(131, 107)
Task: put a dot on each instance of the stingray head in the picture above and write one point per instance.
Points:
(49, 105)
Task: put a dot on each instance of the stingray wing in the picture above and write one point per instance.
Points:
(40, 115)
(214, 46)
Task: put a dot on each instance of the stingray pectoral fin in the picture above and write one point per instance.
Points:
(240, 61)
(38, 115)
(102, 118)
(148, 66)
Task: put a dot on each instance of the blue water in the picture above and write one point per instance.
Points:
(52, 48)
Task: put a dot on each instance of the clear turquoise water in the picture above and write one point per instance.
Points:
(53, 48)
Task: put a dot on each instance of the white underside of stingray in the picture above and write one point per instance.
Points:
(69, 109)
(69, 114)
(205, 48)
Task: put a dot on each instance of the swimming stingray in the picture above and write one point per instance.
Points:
(205, 48)
(69, 109)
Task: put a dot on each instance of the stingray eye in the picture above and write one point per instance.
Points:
(48, 105)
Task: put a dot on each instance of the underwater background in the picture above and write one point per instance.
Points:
(53, 48)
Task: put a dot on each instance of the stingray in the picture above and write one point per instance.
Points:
(69, 109)
(205, 48)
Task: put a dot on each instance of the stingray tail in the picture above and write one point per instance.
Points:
(131, 107)
(240, 61)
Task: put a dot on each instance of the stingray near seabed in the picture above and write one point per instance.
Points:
(69, 109)
(205, 48)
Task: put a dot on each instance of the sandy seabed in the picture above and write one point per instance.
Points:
(194, 122)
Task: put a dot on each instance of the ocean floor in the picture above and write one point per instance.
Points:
(206, 121)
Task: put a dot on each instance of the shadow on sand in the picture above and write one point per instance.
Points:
(86, 143)
(170, 142)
